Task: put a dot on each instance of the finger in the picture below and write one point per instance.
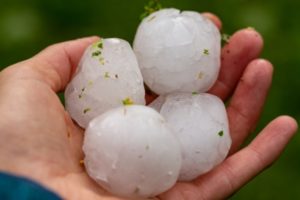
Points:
(57, 63)
(216, 20)
(149, 95)
(243, 47)
(247, 102)
(241, 167)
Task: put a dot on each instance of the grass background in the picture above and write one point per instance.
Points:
(28, 26)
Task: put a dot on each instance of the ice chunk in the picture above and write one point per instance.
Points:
(201, 125)
(131, 152)
(178, 52)
(108, 74)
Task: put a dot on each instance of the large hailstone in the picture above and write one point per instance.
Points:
(200, 123)
(131, 152)
(107, 76)
(178, 51)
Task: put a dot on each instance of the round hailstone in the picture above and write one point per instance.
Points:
(131, 152)
(178, 51)
(201, 125)
(107, 76)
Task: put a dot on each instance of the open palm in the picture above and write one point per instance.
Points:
(40, 141)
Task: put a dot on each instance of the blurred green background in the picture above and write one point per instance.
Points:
(28, 26)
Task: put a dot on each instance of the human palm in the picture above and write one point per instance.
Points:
(40, 141)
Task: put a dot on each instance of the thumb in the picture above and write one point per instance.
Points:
(56, 64)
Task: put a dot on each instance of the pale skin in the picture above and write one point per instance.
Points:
(40, 141)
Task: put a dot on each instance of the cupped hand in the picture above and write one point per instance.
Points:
(38, 138)
(244, 80)
(40, 141)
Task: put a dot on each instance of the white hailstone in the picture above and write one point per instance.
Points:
(107, 76)
(131, 152)
(200, 123)
(178, 51)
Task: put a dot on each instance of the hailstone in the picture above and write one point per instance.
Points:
(178, 51)
(107, 76)
(131, 152)
(200, 123)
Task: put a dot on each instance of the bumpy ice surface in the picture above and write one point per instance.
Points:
(107, 75)
(178, 51)
(131, 152)
(201, 125)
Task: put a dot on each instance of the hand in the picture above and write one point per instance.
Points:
(38, 138)
(40, 141)
(246, 81)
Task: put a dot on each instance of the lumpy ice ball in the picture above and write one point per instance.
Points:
(200, 123)
(131, 152)
(107, 76)
(178, 51)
